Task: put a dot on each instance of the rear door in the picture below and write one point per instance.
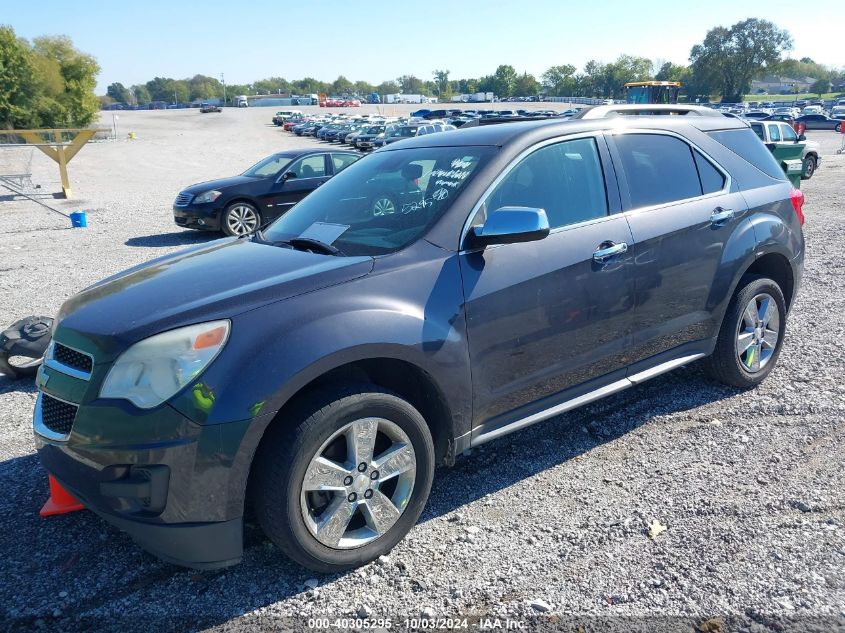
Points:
(681, 211)
(548, 315)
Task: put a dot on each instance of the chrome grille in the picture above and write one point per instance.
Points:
(71, 358)
(57, 415)
(183, 199)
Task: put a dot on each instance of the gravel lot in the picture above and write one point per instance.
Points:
(548, 526)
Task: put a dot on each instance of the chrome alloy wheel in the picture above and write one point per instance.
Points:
(383, 206)
(241, 220)
(758, 332)
(358, 483)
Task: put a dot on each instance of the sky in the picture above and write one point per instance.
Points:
(379, 40)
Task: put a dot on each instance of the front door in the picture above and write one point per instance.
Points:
(548, 315)
(302, 177)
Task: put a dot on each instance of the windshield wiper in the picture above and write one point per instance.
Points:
(310, 244)
(299, 243)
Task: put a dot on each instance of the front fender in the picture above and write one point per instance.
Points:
(408, 312)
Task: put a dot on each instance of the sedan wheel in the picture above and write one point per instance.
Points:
(383, 205)
(241, 219)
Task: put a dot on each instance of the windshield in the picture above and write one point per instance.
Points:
(268, 167)
(386, 201)
(376, 129)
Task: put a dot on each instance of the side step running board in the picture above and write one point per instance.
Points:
(599, 393)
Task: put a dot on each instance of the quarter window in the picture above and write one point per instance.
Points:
(564, 179)
(659, 169)
(711, 178)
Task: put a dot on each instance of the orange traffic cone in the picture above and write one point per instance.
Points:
(60, 501)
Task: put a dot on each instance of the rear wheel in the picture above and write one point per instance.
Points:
(838, 127)
(345, 484)
(240, 218)
(751, 336)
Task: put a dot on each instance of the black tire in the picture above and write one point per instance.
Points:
(809, 167)
(225, 216)
(838, 127)
(287, 450)
(724, 364)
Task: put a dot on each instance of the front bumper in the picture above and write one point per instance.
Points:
(175, 486)
(203, 217)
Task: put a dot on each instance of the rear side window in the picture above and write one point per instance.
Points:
(659, 169)
(758, 130)
(342, 161)
(711, 178)
(745, 144)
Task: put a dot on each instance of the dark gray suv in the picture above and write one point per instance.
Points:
(437, 294)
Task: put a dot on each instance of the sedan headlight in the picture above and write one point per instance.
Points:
(153, 370)
(208, 196)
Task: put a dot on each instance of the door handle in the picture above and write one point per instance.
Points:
(606, 252)
(720, 215)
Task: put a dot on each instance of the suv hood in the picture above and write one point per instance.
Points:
(214, 281)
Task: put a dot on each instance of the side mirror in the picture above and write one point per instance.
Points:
(802, 137)
(509, 225)
(288, 175)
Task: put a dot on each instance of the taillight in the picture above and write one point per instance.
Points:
(797, 200)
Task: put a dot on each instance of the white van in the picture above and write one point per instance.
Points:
(813, 109)
(242, 101)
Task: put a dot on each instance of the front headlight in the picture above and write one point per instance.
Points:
(208, 196)
(153, 370)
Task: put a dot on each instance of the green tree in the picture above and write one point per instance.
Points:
(729, 58)
(388, 88)
(504, 81)
(18, 86)
(202, 87)
(820, 87)
(560, 81)
(411, 85)
(119, 93)
(341, 86)
(142, 95)
(74, 104)
(363, 88)
(442, 85)
(526, 86)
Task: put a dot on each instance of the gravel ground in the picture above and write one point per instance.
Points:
(546, 527)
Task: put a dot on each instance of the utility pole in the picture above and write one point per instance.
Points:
(223, 81)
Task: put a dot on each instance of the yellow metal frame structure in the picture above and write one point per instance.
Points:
(60, 151)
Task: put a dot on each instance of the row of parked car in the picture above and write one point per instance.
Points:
(371, 132)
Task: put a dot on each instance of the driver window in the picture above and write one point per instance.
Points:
(313, 166)
(564, 179)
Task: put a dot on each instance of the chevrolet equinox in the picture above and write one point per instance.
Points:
(437, 294)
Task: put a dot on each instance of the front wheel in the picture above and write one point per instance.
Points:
(240, 218)
(838, 127)
(751, 336)
(809, 167)
(347, 482)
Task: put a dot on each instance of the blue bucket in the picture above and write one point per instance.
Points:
(78, 220)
